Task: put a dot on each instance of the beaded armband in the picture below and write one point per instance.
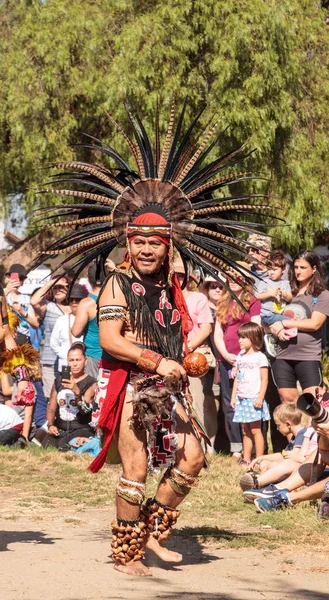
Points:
(149, 361)
(20, 373)
(113, 313)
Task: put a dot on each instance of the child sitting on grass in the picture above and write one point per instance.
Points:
(249, 389)
(275, 467)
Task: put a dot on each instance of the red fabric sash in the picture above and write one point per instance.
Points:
(111, 407)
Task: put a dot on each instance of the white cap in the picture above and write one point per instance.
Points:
(211, 278)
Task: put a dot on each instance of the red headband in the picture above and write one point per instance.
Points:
(150, 225)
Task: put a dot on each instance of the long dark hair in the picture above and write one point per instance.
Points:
(317, 284)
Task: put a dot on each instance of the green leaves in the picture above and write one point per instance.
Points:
(262, 66)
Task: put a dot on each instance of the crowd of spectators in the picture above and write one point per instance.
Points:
(263, 341)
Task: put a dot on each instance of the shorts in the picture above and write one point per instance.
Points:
(286, 373)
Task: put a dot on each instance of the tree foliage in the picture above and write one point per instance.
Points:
(261, 66)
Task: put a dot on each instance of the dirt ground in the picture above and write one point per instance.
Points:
(61, 554)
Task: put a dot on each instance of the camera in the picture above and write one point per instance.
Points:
(310, 406)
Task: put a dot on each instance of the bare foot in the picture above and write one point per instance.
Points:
(163, 553)
(134, 567)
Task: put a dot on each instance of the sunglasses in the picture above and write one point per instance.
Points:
(75, 300)
(215, 286)
(60, 288)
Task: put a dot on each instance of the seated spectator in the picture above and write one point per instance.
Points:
(288, 421)
(61, 338)
(9, 390)
(70, 406)
(11, 425)
(313, 471)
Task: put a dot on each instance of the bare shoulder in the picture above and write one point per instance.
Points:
(112, 293)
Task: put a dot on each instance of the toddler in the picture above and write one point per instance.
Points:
(249, 389)
(274, 296)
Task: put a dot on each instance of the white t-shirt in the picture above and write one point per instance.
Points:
(248, 373)
(61, 340)
(8, 418)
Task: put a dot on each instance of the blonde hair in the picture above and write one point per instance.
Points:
(227, 307)
(288, 411)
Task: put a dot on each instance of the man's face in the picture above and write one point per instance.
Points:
(147, 254)
(257, 257)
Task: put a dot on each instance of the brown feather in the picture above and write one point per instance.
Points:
(178, 180)
(225, 207)
(167, 143)
(81, 221)
(93, 171)
(85, 244)
(203, 188)
(77, 194)
(133, 147)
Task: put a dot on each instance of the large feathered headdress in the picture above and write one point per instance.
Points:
(176, 185)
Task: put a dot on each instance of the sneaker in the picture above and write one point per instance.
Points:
(279, 500)
(265, 492)
(249, 481)
(271, 344)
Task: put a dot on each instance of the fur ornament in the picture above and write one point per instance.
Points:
(22, 355)
(152, 400)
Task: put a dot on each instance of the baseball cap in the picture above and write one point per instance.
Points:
(94, 277)
(18, 269)
(78, 292)
(261, 241)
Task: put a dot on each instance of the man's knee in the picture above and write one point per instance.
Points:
(135, 472)
(194, 457)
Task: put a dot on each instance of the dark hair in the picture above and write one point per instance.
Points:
(78, 346)
(253, 332)
(276, 258)
(96, 275)
(317, 284)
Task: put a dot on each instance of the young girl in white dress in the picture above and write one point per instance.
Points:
(248, 393)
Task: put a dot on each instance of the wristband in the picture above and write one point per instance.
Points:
(149, 361)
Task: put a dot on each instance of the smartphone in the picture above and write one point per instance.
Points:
(14, 277)
(66, 372)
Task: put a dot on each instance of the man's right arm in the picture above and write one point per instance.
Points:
(81, 317)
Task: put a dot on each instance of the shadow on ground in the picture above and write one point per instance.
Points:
(20, 537)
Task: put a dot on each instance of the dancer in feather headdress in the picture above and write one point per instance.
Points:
(168, 202)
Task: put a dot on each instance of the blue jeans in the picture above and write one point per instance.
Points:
(233, 430)
(274, 318)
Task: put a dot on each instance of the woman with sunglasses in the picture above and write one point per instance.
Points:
(49, 303)
(230, 316)
(61, 338)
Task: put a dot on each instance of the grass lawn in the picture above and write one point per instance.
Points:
(214, 511)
